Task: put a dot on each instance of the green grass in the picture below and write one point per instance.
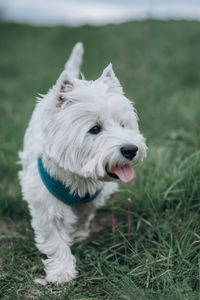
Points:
(158, 64)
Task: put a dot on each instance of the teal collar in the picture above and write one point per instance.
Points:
(60, 191)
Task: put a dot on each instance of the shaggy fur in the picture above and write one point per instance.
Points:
(59, 130)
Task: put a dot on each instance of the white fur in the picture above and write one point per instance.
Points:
(59, 130)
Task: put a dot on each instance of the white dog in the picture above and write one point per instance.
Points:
(81, 138)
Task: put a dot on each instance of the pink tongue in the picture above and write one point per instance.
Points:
(124, 173)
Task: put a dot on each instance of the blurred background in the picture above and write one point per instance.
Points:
(154, 46)
(96, 12)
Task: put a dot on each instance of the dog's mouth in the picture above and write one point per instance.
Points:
(125, 173)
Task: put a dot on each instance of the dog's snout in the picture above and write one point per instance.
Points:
(129, 151)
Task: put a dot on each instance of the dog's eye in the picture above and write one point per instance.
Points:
(95, 130)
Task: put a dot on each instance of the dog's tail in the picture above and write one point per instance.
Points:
(75, 60)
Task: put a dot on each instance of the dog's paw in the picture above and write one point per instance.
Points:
(40, 280)
(81, 236)
(61, 277)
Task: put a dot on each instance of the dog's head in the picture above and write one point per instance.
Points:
(91, 128)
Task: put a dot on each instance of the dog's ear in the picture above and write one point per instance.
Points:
(75, 60)
(63, 86)
(108, 76)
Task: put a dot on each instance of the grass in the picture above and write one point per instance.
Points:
(158, 65)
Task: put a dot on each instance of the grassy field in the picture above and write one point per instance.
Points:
(158, 64)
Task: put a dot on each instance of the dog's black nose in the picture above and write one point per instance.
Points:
(129, 151)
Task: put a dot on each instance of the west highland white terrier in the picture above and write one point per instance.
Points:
(81, 139)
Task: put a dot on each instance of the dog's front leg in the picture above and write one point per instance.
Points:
(54, 240)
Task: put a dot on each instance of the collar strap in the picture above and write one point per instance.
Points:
(60, 191)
